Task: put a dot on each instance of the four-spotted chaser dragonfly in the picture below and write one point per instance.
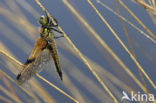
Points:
(42, 52)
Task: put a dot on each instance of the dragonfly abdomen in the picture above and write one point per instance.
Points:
(52, 48)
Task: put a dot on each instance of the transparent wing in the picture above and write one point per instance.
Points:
(34, 67)
(36, 61)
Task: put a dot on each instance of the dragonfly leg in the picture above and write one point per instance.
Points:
(52, 24)
(57, 30)
(58, 37)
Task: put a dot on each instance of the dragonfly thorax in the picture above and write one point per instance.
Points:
(46, 34)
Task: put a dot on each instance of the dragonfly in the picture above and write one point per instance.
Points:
(43, 51)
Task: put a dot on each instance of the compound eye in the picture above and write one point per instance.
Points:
(42, 20)
(42, 17)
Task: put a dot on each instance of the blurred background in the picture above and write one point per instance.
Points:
(105, 49)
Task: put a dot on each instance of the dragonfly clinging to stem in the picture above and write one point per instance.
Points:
(43, 50)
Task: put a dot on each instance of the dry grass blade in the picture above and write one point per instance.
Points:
(86, 62)
(143, 4)
(41, 92)
(16, 10)
(104, 74)
(150, 8)
(76, 50)
(73, 89)
(46, 81)
(124, 19)
(130, 44)
(22, 22)
(11, 58)
(13, 97)
(87, 83)
(123, 45)
(131, 13)
(5, 99)
(28, 7)
(141, 49)
(6, 82)
(27, 92)
(8, 85)
(106, 46)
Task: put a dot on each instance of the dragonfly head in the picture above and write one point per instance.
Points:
(43, 20)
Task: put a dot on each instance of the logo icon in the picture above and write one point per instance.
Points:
(125, 96)
(137, 96)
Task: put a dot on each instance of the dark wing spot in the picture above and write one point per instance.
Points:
(18, 76)
(49, 47)
(29, 61)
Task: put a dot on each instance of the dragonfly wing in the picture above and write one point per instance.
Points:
(54, 54)
(35, 62)
(35, 67)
